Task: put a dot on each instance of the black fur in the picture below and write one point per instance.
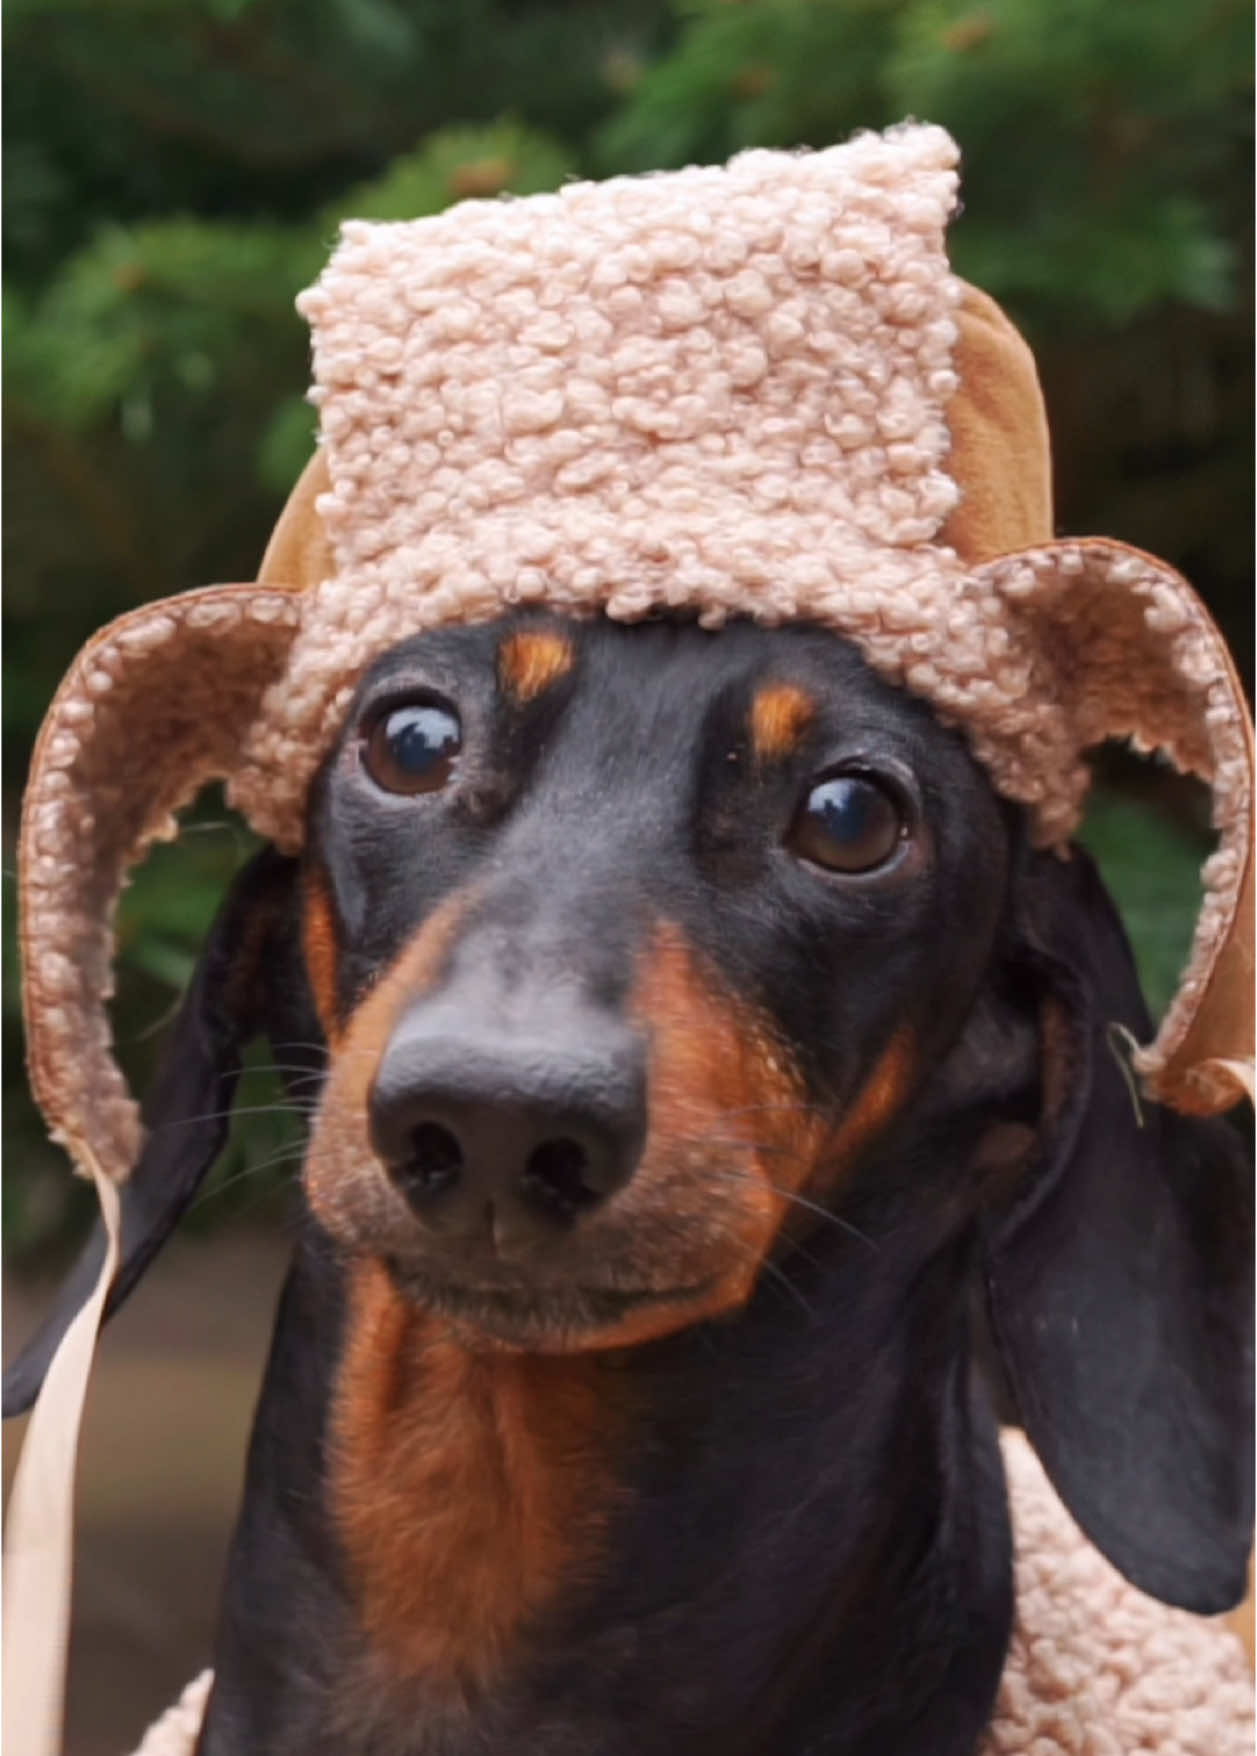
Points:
(1120, 1281)
(186, 1114)
(811, 1552)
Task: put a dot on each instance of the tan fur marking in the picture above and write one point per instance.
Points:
(729, 1108)
(411, 974)
(467, 1487)
(471, 1483)
(780, 714)
(878, 1100)
(322, 951)
(530, 661)
(728, 1121)
(342, 1181)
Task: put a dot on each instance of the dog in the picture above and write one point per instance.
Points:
(718, 1114)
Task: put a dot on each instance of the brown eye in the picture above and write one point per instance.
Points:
(848, 823)
(412, 749)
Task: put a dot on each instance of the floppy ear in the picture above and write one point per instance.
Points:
(187, 1112)
(1120, 1281)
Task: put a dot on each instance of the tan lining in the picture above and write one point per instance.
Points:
(1000, 449)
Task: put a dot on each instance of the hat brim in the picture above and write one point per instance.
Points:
(1127, 650)
(154, 707)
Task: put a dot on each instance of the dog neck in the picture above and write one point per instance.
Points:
(468, 1488)
(786, 1521)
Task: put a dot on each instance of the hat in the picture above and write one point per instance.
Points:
(755, 390)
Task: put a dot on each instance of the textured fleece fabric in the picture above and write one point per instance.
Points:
(1095, 1668)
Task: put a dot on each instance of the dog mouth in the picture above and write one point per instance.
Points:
(530, 1315)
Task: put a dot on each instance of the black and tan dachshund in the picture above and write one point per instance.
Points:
(713, 1074)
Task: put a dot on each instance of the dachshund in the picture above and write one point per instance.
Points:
(718, 1118)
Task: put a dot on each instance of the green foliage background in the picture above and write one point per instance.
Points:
(175, 172)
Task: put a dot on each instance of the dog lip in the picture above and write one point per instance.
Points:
(528, 1303)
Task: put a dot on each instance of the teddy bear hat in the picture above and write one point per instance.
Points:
(750, 391)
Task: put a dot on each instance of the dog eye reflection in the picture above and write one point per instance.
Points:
(848, 823)
(412, 748)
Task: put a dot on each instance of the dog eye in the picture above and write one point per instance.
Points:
(848, 823)
(412, 749)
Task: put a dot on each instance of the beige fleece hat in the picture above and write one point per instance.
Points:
(755, 390)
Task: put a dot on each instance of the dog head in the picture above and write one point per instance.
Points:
(637, 951)
(628, 942)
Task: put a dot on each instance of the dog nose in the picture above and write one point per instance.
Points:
(509, 1139)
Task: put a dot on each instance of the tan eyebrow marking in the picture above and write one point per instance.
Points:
(530, 661)
(780, 714)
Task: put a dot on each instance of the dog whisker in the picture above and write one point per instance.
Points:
(827, 1214)
(291, 1108)
(781, 1278)
(296, 1068)
(273, 1161)
(792, 1108)
(246, 1174)
(159, 1024)
(797, 1200)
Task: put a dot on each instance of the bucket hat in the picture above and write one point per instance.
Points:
(749, 391)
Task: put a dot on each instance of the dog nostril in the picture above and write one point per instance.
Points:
(435, 1159)
(555, 1172)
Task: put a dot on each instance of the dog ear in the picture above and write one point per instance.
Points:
(187, 1111)
(1119, 1281)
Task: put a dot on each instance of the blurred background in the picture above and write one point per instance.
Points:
(175, 173)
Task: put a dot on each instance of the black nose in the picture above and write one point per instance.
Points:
(508, 1139)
